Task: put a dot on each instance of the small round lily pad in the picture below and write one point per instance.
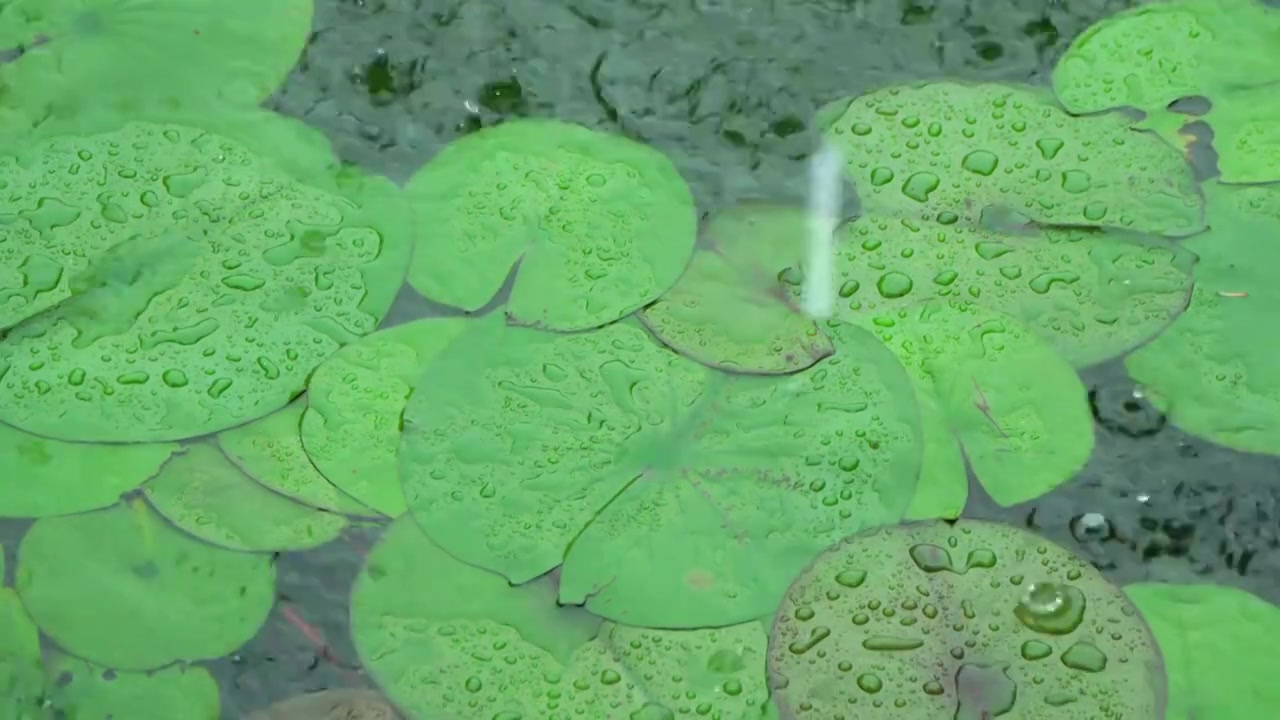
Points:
(1214, 370)
(960, 620)
(674, 495)
(728, 310)
(446, 639)
(83, 690)
(136, 317)
(595, 225)
(205, 494)
(86, 53)
(944, 151)
(49, 477)
(122, 588)
(1218, 645)
(269, 450)
(351, 428)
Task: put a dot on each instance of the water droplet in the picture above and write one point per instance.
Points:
(980, 162)
(851, 578)
(1086, 657)
(894, 285)
(1049, 147)
(848, 288)
(1076, 181)
(881, 176)
(920, 185)
(860, 129)
(1051, 608)
(870, 683)
(610, 677)
(1036, 650)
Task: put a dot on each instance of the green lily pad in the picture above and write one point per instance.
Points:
(967, 620)
(205, 494)
(269, 450)
(49, 477)
(673, 494)
(1214, 370)
(943, 486)
(22, 681)
(83, 690)
(134, 319)
(122, 588)
(1246, 133)
(727, 310)
(945, 151)
(1092, 295)
(1019, 411)
(446, 639)
(598, 225)
(351, 428)
(1218, 646)
(1151, 55)
(301, 151)
(87, 53)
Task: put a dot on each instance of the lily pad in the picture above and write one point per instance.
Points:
(1214, 370)
(728, 311)
(87, 53)
(205, 494)
(129, 306)
(598, 225)
(22, 682)
(673, 494)
(446, 639)
(355, 400)
(1020, 412)
(1091, 294)
(1246, 133)
(83, 690)
(337, 704)
(269, 450)
(1151, 55)
(49, 477)
(960, 620)
(1217, 645)
(945, 151)
(156, 595)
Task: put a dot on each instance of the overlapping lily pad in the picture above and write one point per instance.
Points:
(1227, 51)
(673, 494)
(355, 399)
(50, 477)
(1018, 410)
(82, 690)
(196, 290)
(157, 595)
(728, 310)
(963, 620)
(1092, 294)
(1151, 55)
(596, 225)
(81, 54)
(1216, 643)
(269, 450)
(445, 639)
(22, 682)
(1214, 371)
(946, 151)
(206, 495)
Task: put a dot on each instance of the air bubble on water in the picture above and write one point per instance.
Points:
(1090, 527)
